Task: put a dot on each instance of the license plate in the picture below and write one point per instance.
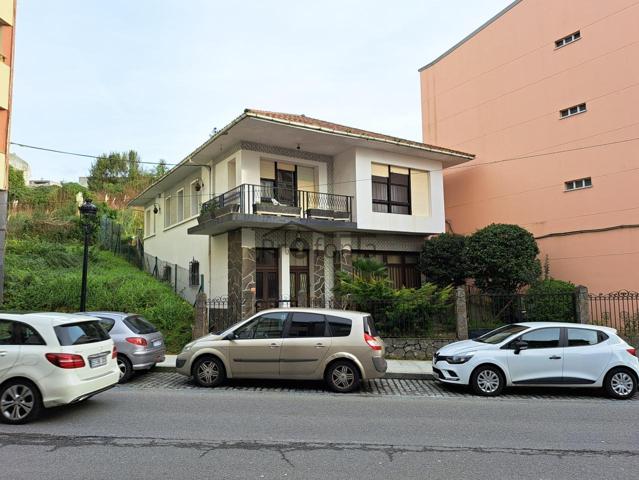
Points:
(100, 361)
(157, 343)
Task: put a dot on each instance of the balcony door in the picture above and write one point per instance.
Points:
(286, 181)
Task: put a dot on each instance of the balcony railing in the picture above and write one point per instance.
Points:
(278, 201)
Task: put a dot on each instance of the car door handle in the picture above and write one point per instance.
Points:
(319, 345)
(3, 354)
(554, 357)
(274, 345)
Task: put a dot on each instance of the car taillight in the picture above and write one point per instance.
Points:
(114, 354)
(632, 351)
(374, 344)
(66, 360)
(137, 341)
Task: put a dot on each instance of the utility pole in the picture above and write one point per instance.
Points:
(7, 33)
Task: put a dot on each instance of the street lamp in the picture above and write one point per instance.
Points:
(88, 211)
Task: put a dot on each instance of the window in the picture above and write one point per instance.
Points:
(180, 205)
(579, 337)
(338, 326)
(578, 184)
(107, 323)
(6, 332)
(569, 112)
(402, 267)
(500, 334)
(139, 325)
(304, 325)
(194, 273)
(149, 221)
(167, 212)
(369, 326)
(195, 199)
(80, 333)
(270, 325)
(391, 189)
(568, 39)
(542, 338)
(25, 335)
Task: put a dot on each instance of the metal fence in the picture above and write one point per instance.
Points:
(619, 310)
(110, 237)
(181, 279)
(487, 311)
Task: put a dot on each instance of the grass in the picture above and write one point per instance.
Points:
(45, 276)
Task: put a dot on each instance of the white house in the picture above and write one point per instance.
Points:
(272, 205)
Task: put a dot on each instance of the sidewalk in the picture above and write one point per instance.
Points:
(403, 369)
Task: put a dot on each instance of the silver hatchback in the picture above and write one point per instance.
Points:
(140, 345)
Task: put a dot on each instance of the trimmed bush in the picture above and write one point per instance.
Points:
(551, 301)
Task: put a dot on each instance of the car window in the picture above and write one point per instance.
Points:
(580, 337)
(542, 338)
(500, 334)
(80, 333)
(269, 325)
(107, 323)
(338, 326)
(26, 335)
(369, 326)
(305, 325)
(6, 332)
(139, 325)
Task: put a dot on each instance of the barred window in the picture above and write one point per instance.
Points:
(194, 273)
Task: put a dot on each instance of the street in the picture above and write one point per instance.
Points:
(277, 430)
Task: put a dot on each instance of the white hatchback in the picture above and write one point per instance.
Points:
(51, 359)
(541, 354)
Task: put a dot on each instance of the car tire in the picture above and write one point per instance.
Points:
(620, 384)
(208, 372)
(343, 376)
(29, 398)
(487, 381)
(126, 369)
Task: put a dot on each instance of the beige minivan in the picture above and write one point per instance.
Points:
(339, 346)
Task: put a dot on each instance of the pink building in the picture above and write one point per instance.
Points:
(546, 94)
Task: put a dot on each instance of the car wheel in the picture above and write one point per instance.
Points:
(126, 368)
(487, 381)
(343, 376)
(20, 402)
(209, 372)
(620, 384)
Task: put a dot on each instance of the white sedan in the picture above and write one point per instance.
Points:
(52, 359)
(541, 354)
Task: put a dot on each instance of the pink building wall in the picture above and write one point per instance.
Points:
(499, 94)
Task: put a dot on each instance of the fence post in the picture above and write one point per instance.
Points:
(201, 324)
(583, 307)
(175, 276)
(461, 313)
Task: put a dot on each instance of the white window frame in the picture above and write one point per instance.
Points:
(167, 211)
(578, 184)
(572, 111)
(568, 39)
(194, 200)
(179, 211)
(147, 222)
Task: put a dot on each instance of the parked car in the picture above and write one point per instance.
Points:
(541, 354)
(140, 345)
(52, 359)
(338, 346)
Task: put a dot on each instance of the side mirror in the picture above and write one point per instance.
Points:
(230, 336)
(519, 346)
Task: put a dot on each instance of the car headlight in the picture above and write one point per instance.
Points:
(458, 359)
(188, 347)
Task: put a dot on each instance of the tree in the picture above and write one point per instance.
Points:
(160, 169)
(442, 260)
(502, 258)
(114, 168)
(551, 300)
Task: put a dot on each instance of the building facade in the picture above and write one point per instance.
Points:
(273, 205)
(544, 94)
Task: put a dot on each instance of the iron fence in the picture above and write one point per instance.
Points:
(412, 319)
(110, 237)
(180, 278)
(619, 310)
(487, 311)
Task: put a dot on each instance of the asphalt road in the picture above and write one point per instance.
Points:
(153, 433)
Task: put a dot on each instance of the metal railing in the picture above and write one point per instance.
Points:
(283, 201)
(619, 310)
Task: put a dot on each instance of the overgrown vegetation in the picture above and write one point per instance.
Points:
(46, 276)
(550, 300)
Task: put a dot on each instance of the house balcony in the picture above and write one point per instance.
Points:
(267, 206)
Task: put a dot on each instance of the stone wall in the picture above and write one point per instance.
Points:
(414, 348)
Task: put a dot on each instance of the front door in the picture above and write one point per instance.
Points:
(266, 279)
(255, 350)
(305, 345)
(541, 362)
(299, 285)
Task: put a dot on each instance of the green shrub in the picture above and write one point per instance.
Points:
(45, 276)
(442, 260)
(550, 301)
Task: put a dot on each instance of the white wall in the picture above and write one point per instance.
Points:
(391, 222)
(219, 266)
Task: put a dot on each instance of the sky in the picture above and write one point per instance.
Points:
(157, 76)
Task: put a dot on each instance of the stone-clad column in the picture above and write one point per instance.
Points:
(241, 265)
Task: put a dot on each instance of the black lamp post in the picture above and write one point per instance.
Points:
(88, 211)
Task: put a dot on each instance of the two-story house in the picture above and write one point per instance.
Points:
(272, 205)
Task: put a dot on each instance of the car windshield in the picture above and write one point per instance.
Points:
(500, 334)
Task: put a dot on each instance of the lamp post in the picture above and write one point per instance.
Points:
(87, 211)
